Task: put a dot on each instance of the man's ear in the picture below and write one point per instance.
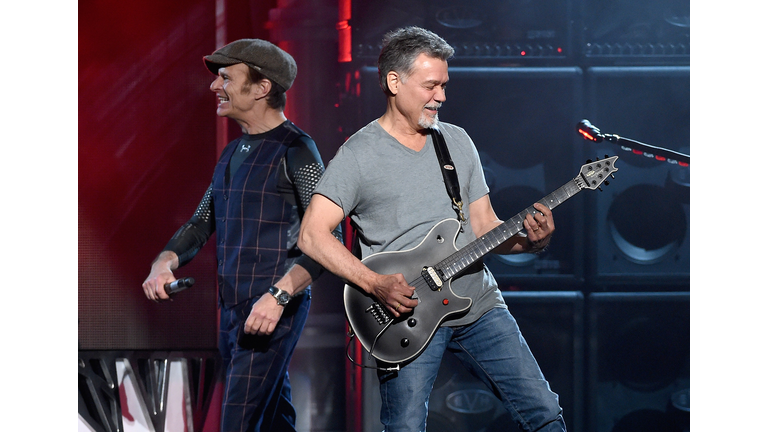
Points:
(261, 89)
(393, 82)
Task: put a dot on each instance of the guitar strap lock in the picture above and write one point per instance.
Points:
(449, 172)
(458, 205)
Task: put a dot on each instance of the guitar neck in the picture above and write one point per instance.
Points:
(469, 254)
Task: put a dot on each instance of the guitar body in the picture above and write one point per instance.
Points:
(402, 339)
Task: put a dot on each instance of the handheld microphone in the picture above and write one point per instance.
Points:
(589, 131)
(179, 285)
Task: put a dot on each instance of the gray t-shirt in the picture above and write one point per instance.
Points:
(394, 196)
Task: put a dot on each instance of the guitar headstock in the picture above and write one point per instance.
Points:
(596, 173)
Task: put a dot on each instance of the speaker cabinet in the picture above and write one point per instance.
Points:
(485, 30)
(642, 221)
(552, 324)
(639, 355)
(522, 122)
(633, 32)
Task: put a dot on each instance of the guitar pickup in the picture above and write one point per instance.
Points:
(432, 278)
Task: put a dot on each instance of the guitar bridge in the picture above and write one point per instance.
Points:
(379, 313)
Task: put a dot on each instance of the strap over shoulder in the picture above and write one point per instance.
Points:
(449, 171)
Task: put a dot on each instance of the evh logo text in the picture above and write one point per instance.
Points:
(472, 401)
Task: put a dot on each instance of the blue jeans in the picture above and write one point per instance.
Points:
(494, 350)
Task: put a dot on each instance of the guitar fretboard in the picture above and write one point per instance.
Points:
(469, 254)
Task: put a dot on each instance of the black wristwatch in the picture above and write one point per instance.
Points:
(281, 296)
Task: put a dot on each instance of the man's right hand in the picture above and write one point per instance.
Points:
(161, 274)
(394, 292)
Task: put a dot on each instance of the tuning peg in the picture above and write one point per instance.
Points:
(612, 176)
(599, 188)
(589, 160)
(606, 182)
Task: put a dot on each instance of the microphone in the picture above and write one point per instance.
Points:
(179, 285)
(589, 131)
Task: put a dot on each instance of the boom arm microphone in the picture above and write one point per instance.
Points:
(589, 131)
(179, 285)
(592, 133)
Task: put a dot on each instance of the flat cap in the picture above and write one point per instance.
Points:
(263, 56)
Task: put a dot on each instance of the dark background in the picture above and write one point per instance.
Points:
(524, 74)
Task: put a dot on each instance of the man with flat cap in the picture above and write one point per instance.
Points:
(261, 186)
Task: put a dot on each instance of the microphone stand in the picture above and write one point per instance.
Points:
(592, 133)
(645, 148)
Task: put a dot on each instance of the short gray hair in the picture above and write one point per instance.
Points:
(401, 47)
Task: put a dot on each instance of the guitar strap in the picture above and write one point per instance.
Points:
(449, 172)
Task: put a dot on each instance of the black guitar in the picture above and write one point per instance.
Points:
(430, 267)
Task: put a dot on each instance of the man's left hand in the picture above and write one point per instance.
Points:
(264, 316)
(540, 226)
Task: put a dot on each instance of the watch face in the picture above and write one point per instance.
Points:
(283, 298)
